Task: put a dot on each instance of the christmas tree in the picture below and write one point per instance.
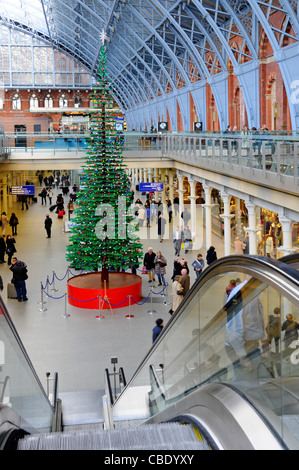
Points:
(104, 233)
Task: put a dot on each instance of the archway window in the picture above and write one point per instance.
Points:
(16, 102)
(77, 101)
(34, 101)
(63, 103)
(48, 101)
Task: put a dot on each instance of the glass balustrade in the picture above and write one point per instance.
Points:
(20, 388)
(246, 338)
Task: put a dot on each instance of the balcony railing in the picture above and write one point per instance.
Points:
(268, 159)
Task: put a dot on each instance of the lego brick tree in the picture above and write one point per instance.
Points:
(104, 233)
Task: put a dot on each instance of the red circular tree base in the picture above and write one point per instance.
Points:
(84, 290)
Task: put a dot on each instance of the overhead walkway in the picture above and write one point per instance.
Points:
(213, 374)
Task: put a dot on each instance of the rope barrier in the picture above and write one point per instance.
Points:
(44, 289)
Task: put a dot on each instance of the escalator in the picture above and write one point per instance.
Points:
(217, 377)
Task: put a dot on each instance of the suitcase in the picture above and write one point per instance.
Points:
(11, 291)
(34, 199)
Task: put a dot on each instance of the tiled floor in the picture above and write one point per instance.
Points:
(69, 340)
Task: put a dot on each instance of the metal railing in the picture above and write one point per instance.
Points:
(261, 158)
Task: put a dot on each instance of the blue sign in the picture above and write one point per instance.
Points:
(143, 187)
(27, 190)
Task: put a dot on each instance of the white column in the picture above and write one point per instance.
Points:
(155, 175)
(192, 198)
(226, 216)
(251, 229)
(163, 181)
(4, 197)
(149, 175)
(144, 176)
(208, 215)
(286, 225)
(181, 194)
(170, 184)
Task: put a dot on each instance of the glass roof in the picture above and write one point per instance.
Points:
(154, 46)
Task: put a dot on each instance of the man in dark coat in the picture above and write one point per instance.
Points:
(157, 329)
(2, 249)
(148, 263)
(19, 270)
(48, 225)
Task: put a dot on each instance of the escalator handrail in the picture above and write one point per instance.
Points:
(290, 259)
(5, 383)
(157, 380)
(122, 374)
(107, 375)
(263, 266)
(259, 413)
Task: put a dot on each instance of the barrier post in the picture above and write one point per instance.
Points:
(53, 288)
(129, 316)
(65, 315)
(165, 294)
(42, 309)
(151, 311)
(100, 317)
(48, 283)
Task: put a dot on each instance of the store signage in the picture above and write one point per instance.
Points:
(150, 187)
(28, 190)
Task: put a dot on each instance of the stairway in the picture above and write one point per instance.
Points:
(165, 436)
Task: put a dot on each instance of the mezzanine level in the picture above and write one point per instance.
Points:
(270, 160)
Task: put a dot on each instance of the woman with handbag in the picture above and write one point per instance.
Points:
(160, 267)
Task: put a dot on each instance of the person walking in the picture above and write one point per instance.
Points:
(13, 222)
(187, 238)
(10, 248)
(43, 195)
(19, 270)
(50, 195)
(198, 265)
(157, 329)
(2, 249)
(290, 327)
(211, 255)
(160, 267)
(185, 282)
(239, 246)
(176, 291)
(24, 201)
(4, 222)
(149, 264)
(177, 238)
(161, 227)
(273, 328)
(48, 225)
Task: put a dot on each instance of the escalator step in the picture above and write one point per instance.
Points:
(166, 436)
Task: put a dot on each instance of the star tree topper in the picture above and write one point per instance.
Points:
(103, 36)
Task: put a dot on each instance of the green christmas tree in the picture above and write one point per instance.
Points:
(104, 232)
